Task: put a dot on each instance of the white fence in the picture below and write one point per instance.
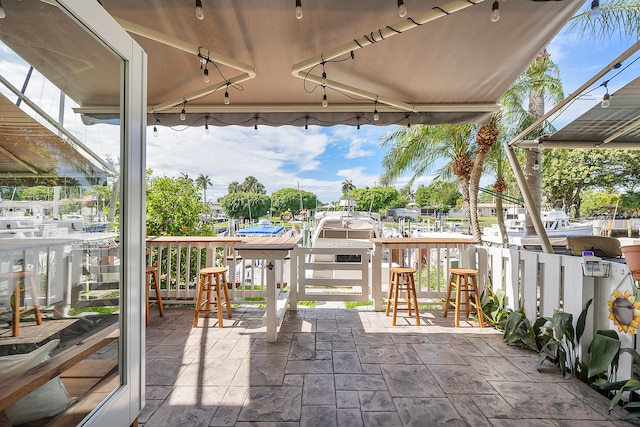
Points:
(541, 283)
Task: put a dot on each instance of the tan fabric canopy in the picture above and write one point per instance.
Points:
(445, 62)
(30, 154)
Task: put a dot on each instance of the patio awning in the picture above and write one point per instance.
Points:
(445, 62)
(30, 154)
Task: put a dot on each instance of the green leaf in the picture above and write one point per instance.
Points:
(631, 385)
(582, 319)
(562, 326)
(604, 350)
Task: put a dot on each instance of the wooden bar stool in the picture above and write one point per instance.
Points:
(151, 280)
(19, 278)
(212, 279)
(402, 280)
(464, 280)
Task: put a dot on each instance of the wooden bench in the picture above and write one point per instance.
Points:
(90, 380)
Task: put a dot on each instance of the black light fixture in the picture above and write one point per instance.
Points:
(299, 9)
(206, 125)
(376, 116)
(226, 95)
(595, 9)
(183, 113)
(306, 124)
(199, 11)
(325, 101)
(605, 98)
(495, 11)
(402, 9)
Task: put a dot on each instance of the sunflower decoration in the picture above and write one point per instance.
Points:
(624, 310)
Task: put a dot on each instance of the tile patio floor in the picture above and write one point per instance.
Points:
(341, 367)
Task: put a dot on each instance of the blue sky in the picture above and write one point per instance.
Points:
(318, 160)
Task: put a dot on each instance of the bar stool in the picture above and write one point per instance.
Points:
(19, 278)
(402, 280)
(464, 280)
(151, 280)
(212, 279)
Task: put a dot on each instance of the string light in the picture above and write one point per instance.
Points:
(595, 10)
(306, 124)
(199, 11)
(605, 98)
(206, 125)
(255, 123)
(155, 131)
(226, 96)
(408, 122)
(376, 116)
(325, 101)
(205, 77)
(402, 9)
(3, 14)
(299, 9)
(358, 124)
(495, 11)
(183, 113)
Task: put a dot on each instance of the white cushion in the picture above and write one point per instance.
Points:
(48, 400)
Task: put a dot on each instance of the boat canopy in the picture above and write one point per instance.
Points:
(262, 230)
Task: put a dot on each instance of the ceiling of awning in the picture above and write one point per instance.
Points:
(614, 127)
(30, 154)
(445, 62)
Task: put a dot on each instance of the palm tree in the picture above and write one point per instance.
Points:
(540, 82)
(347, 186)
(252, 185)
(203, 181)
(498, 165)
(185, 175)
(619, 17)
(418, 149)
(234, 187)
(486, 138)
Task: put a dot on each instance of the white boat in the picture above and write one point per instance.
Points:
(556, 224)
(345, 228)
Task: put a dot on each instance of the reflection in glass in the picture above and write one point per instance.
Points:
(60, 275)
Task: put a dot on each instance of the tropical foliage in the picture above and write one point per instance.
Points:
(174, 207)
(293, 200)
(377, 199)
(245, 205)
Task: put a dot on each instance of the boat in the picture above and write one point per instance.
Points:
(346, 227)
(556, 224)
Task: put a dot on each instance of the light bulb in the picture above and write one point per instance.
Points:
(155, 131)
(402, 9)
(206, 129)
(199, 11)
(376, 116)
(205, 77)
(605, 101)
(324, 78)
(226, 98)
(536, 166)
(306, 128)
(495, 11)
(183, 115)
(595, 10)
(325, 101)
(299, 9)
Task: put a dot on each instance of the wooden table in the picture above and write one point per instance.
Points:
(399, 243)
(272, 250)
